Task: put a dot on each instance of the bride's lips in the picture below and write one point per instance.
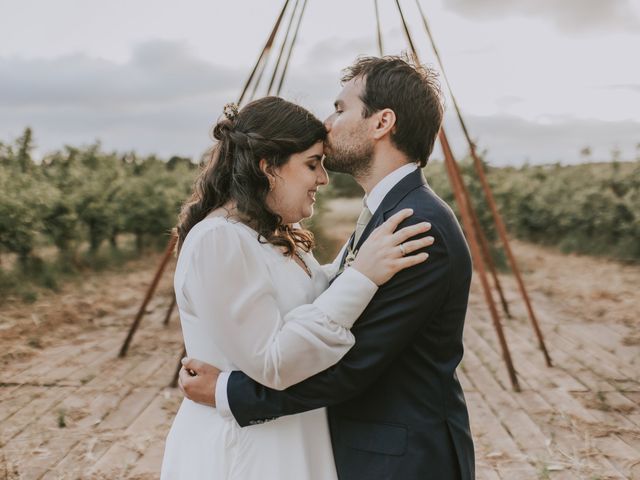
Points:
(312, 195)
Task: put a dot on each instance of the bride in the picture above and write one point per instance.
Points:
(252, 297)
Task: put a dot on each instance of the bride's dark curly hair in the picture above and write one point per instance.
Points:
(269, 128)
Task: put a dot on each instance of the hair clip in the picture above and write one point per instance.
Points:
(230, 110)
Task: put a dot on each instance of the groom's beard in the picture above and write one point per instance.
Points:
(354, 159)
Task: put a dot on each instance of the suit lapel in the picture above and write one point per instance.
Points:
(344, 257)
(398, 192)
(346, 250)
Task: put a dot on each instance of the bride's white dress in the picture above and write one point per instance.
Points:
(245, 306)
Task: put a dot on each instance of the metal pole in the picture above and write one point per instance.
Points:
(152, 288)
(456, 181)
(170, 311)
(293, 42)
(176, 375)
(502, 231)
(484, 243)
(378, 29)
(265, 50)
(282, 48)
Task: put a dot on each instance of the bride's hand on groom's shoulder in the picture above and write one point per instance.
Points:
(197, 381)
(389, 249)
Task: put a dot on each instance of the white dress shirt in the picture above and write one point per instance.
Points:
(373, 201)
(384, 186)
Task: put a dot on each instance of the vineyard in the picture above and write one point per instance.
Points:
(83, 208)
(591, 208)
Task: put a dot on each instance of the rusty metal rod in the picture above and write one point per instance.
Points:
(265, 51)
(378, 29)
(156, 279)
(174, 381)
(282, 47)
(170, 311)
(502, 231)
(456, 183)
(293, 42)
(484, 243)
(467, 221)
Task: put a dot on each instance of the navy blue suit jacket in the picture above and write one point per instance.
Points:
(395, 407)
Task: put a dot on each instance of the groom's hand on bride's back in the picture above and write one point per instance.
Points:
(197, 381)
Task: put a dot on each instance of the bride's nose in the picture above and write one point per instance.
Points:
(323, 177)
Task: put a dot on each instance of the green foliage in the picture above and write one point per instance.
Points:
(24, 198)
(343, 185)
(588, 208)
(152, 202)
(78, 198)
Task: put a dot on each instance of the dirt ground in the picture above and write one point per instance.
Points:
(70, 409)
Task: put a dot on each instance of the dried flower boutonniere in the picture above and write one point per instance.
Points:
(351, 256)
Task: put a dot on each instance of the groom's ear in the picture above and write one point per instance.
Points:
(385, 122)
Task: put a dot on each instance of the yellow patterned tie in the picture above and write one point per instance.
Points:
(363, 219)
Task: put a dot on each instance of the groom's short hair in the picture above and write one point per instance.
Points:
(411, 91)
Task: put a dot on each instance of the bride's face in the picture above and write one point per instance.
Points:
(295, 184)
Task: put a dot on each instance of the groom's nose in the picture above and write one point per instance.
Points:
(328, 123)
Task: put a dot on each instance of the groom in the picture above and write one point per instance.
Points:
(395, 407)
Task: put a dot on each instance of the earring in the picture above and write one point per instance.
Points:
(270, 186)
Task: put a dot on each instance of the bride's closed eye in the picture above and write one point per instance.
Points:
(313, 164)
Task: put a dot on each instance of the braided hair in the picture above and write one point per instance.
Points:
(269, 128)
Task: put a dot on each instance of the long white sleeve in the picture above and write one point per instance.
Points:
(228, 284)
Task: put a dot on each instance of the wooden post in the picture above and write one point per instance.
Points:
(265, 52)
(484, 243)
(170, 311)
(502, 231)
(456, 183)
(152, 288)
(174, 381)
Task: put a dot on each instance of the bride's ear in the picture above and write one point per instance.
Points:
(268, 172)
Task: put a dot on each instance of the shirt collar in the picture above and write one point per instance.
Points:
(384, 186)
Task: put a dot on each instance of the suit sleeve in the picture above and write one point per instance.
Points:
(399, 309)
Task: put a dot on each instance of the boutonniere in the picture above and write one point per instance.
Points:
(351, 256)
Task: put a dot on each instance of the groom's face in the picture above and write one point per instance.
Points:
(349, 144)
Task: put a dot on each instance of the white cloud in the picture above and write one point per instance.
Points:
(158, 71)
(163, 98)
(634, 87)
(512, 140)
(573, 16)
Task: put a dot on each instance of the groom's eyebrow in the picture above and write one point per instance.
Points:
(338, 103)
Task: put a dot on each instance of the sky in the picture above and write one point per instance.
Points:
(537, 80)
